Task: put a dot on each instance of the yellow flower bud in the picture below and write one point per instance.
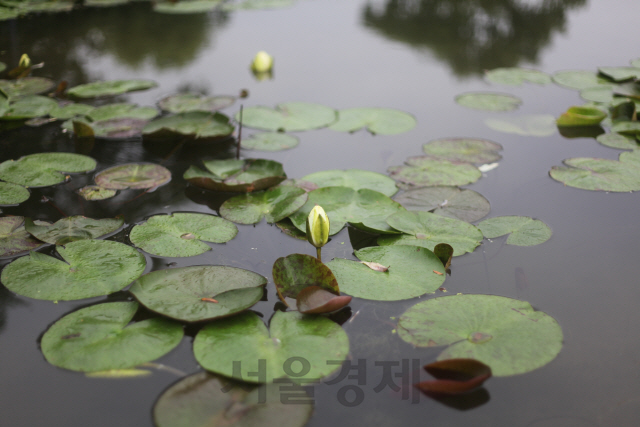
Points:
(25, 61)
(262, 63)
(318, 227)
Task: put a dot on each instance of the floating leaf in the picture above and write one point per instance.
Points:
(195, 124)
(577, 79)
(122, 110)
(602, 94)
(26, 86)
(273, 204)
(181, 234)
(187, 293)
(70, 110)
(598, 174)
(616, 140)
(355, 179)
(295, 272)
(515, 76)
(410, 273)
(581, 116)
(626, 128)
(235, 347)
(110, 87)
(12, 194)
(526, 125)
(203, 399)
(14, 239)
(504, 333)
(452, 202)
(133, 176)
(287, 227)
(455, 376)
(620, 74)
(470, 150)
(316, 300)
(427, 230)
(425, 171)
(237, 175)
(123, 127)
(94, 192)
(288, 117)
(186, 6)
(28, 107)
(257, 4)
(344, 205)
(186, 102)
(119, 373)
(98, 338)
(489, 101)
(43, 169)
(522, 230)
(270, 141)
(72, 228)
(90, 268)
(383, 121)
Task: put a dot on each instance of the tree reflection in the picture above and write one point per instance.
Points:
(472, 35)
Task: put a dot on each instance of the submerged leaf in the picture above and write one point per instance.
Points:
(522, 230)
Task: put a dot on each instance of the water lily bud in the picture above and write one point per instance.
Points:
(318, 227)
(262, 63)
(25, 61)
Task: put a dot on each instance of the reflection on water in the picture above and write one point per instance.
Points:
(476, 35)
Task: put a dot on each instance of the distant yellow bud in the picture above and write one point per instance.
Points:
(318, 227)
(25, 61)
(262, 63)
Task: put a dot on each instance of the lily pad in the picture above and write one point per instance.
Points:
(526, 125)
(602, 94)
(72, 228)
(522, 230)
(203, 399)
(316, 300)
(90, 268)
(270, 141)
(94, 192)
(344, 205)
(411, 273)
(288, 117)
(236, 175)
(488, 101)
(470, 150)
(109, 87)
(14, 239)
(455, 376)
(186, 6)
(186, 102)
(287, 227)
(44, 169)
(181, 234)
(70, 110)
(122, 110)
(620, 74)
(201, 292)
(273, 204)
(616, 140)
(382, 121)
(598, 174)
(577, 79)
(581, 116)
(12, 194)
(133, 176)
(99, 338)
(235, 347)
(514, 76)
(426, 171)
(355, 179)
(257, 4)
(29, 107)
(452, 202)
(123, 127)
(427, 230)
(626, 128)
(293, 273)
(26, 86)
(504, 333)
(195, 124)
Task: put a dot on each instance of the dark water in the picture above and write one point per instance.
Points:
(411, 55)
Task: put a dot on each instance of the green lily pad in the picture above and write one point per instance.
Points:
(195, 124)
(29, 107)
(94, 192)
(122, 110)
(26, 86)
(273, 204)
(295, 272)
(236, 175)
(110, 87)
(134, 176)
(452, 202)
(427, 230)
(186, 102)
(288, 117)
(123, 127)
(355, 179)
(616, 140)
(186, 6)
(581, 116)
(526, 125)
(203, 399)
(514, 76)
(504, 333)
(382, 121)
(12, 194)
(426, 171)
(99, 338)
(70, 110)
(287, 227)
(201, 292)
(522, 230)
(44, 169)
(181, 234)
(14, 239)
(72, 228)
(620, 74)
(489, 101)
(470, 150)
(270, 141)
(90, 268)
(598, 174)
(235, 346)
(3, 66)
(344, 205)
(577, 79)
(626, 128)
(411, 273)
(602, 94)
(257, 4)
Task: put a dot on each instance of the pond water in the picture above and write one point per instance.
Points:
(414, 56)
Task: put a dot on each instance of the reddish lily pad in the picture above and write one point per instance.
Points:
(242, 176)
(455, 376)
(293, 273)
(14, 239)
(134, 176)
(316, 300)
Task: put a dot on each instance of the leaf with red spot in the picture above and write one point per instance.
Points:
(455, 376)
(293, 273)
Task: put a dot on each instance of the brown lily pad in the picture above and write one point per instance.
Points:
(317, 300)
(14, 239)
(455, 376)
(295, 272)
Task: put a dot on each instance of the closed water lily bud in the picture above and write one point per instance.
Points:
(262, 63)
(318, 227)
